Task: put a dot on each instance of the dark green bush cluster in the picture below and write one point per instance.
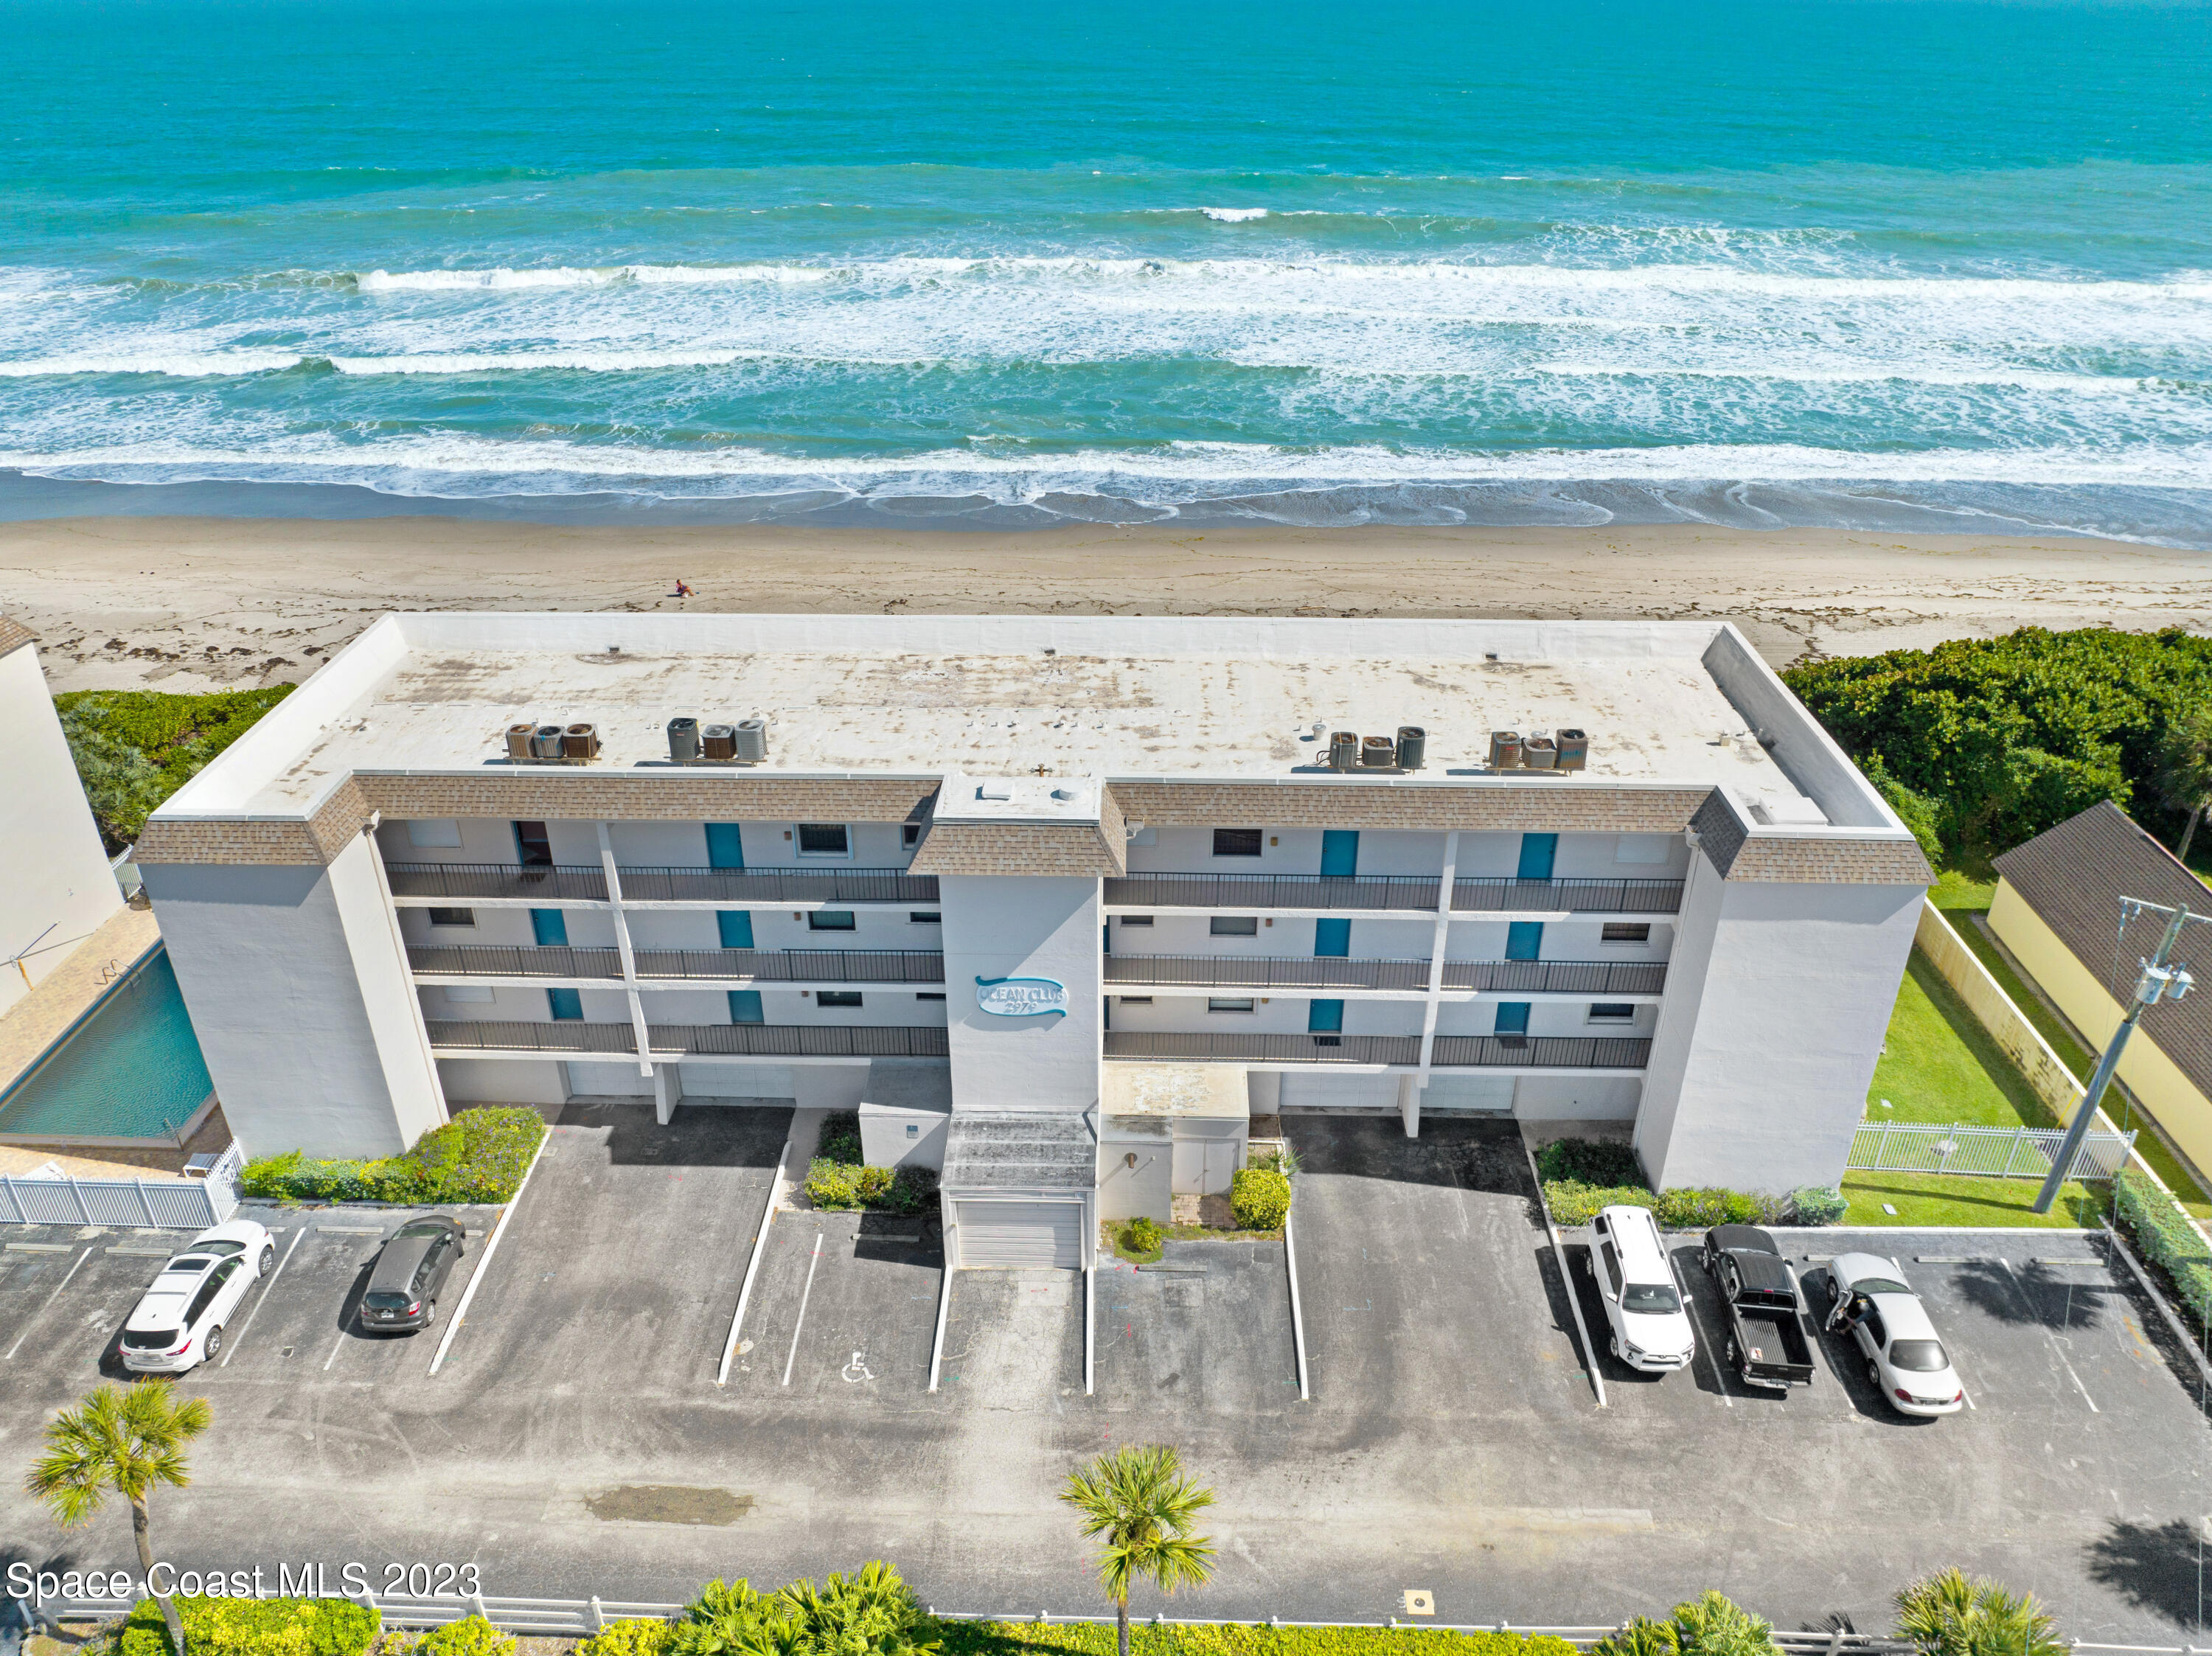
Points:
(480, 1155)
(869, 1613)
(2167, 1238)
(1711, 1624)
(845, 1184)
(1143, 1235)
(1260, 1197)
(1222, 1639)
(253, 1627)
(840, 1139)
(1582, 1176)
(135, 748)
(1989, 742)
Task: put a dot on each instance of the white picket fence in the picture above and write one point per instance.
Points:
(579, 1618)
(156, 1204)
(1992, 1152)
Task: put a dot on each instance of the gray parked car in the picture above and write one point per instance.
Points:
(403, 1291)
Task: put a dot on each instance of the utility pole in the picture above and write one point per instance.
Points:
(2159, 981)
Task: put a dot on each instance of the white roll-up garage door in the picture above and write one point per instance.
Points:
(737, 1080)
(1020, 1235)
(1488, 1095)
(1362, 1094)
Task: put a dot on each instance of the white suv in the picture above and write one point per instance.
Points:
(1651, 1330)
(177, 1323)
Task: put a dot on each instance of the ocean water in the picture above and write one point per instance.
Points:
(1927, 266)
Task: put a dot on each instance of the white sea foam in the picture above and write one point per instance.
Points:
(1234, 215)
(184, 365)
(389, 282)
(534, 361)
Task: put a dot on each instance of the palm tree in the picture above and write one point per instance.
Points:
(1713, 1625)
(1138, 1505)
(123, 1442)
(1946, 1614)
(2185, 769)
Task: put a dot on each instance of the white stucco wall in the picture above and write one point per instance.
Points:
(1021, 926)
(54, 876)
(1778, 999)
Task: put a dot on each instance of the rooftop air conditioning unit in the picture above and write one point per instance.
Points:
(1413, 747)
(581, 741)
(1574, 749)
(1343, 749)
(1377, 753)
(683, 740)
(1505, 750)
(751, 741)
(545, 741)
(718, 742)
(1540, 752)
(518, 742)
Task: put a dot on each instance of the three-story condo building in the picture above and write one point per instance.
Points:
(1058, 903)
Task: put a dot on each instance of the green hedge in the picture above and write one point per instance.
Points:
(1260, 1197)
(254, 1626)
(632, 1638)
(134, 748)
(1222, 1639)
(845, 1184)
(2166, 1237)
(471, 1635)
(480, 1155)
(1582, 1176)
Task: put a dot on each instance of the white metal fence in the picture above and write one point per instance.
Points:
(579, 1618)
(1999, 1152)
(158, 1204)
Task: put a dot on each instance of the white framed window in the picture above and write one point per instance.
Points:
(825, 840)
(451, 916)
(1135, 1000)
(473, 994)
(1134, 920)
(1636, 932)
(832, 920)
(924, 917)
(1219, 1003)
(1236, 842)
(1234, 925)
(1643, 850)
(1611, 1011)
(837, 997)
(434, 833)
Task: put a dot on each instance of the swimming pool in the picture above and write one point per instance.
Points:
(130, 1069)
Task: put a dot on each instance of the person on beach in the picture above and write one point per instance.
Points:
(682, 591)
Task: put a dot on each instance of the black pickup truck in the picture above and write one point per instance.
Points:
(1767, 1344)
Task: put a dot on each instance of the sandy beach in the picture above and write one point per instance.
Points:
(193, 603)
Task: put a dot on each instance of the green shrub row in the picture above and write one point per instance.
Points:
(253, 1627)
(1225, 1639)
(2167, 1239)
(1260, 1197)
(845, 1184)
(480, 1155)
(134, 748)
(1582, 1176)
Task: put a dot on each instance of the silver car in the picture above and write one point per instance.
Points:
(1867, 1299)
(415, 1260)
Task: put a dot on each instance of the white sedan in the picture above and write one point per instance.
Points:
(179, 1321)
(1868, 1299)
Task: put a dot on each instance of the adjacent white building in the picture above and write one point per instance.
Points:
(56, 888)
(1058, 903)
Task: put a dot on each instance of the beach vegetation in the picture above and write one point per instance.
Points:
(134, 748)
(2004, 737)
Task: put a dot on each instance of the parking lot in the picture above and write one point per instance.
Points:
(574, 1439)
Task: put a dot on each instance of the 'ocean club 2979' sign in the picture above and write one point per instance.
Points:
(1021, 998)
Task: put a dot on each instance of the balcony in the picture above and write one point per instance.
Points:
(680, 965)
(571, 1037)
(1568, 896)
(1324, 972)
(584, 882)
(1452, 1052)
(1405, 892)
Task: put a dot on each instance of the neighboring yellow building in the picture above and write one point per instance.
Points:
(2057, 909)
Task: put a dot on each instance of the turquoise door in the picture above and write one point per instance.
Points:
(736, 925)
(1324, 1017)
(1538, 851)
(1339, 852)
(548, 928)
(1513, 1017)
(1332, 938)
(567, 1005)
(1524, 940)
(726, 846)
(745, 1006)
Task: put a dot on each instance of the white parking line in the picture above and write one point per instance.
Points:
(335, 1349)
(246, 1326)
(51, 1298)
(2057, 1350)
(805, 1295)
(483, 1264)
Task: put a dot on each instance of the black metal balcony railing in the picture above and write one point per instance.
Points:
(1415, 892)
(1574, 896)
(753, 964)
(1327, 972)
(1452, 1052)
(584, 882)
(675, 1040)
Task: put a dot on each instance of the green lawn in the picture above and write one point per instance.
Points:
(1940, 1065)
(1945, 1198)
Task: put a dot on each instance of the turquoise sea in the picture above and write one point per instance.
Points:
(1917, 266)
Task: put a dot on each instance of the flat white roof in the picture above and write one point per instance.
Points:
(1118, 697)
